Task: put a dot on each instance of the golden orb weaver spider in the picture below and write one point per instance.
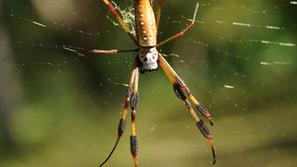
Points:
(148, 59)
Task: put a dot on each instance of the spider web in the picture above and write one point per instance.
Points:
(239, 60)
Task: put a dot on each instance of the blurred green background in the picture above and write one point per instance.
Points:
(60, 109)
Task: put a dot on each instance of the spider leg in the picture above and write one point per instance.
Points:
(81, 51)
(180, 33)
(112, 51)
(133, 104)
(159, 10)
(122, 122)
(177, 81)
(120, 20)
(184, 94)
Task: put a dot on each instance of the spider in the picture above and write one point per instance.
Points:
(147, 59)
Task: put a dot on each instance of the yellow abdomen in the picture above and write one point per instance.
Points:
(145, 23)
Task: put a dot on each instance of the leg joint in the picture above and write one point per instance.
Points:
(203, 129)
(133, 115)
(121, 127)
(180, 93)
(134, 146)
(204, 112)
(134, 101)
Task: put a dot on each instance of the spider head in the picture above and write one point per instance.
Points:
(148, 58)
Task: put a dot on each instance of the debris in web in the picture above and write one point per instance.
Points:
(118, 83)
(273, 43)
(229, 86)
(39, 24)
(251, 25)
(170, 55)
(127, 16)
(76, 50)
(265, 63)
(54, 23)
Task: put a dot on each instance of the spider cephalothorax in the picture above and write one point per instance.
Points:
(148, 59)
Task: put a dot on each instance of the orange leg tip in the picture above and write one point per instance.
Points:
(134, 160)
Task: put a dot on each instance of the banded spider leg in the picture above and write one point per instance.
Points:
(183, 93)
(131, 99)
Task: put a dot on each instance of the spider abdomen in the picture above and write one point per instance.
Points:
(145, 23)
